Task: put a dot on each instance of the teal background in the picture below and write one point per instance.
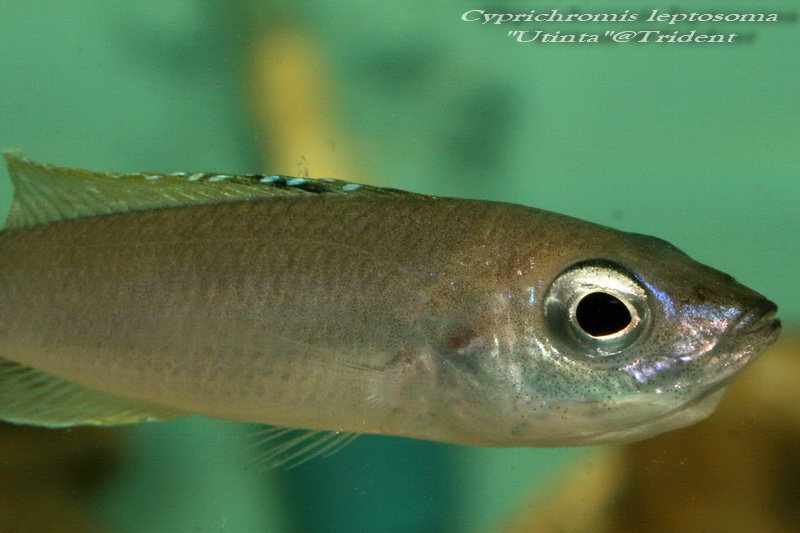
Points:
(695, 143)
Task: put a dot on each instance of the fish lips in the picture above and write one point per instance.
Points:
(752, 334)
(760, 319)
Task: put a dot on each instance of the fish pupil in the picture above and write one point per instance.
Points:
(600, 314)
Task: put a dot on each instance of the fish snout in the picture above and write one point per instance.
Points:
(760, 318)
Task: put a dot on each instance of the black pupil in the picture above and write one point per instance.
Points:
(600, 313)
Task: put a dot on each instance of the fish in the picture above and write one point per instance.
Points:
(325, 309)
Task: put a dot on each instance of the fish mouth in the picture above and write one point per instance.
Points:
(752, 334)
(760, 319)
(755, 331)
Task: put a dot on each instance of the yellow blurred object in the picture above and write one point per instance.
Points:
(291, 96)
(737, 472)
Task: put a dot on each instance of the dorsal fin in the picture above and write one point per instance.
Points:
(46, 193)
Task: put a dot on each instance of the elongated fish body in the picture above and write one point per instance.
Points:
(326, 305)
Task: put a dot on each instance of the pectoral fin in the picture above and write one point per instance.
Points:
(291, 447)
(29, 396)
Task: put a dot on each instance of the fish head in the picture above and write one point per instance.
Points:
(620, 338)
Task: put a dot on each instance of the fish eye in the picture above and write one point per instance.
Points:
(596, 309)
(600, 314)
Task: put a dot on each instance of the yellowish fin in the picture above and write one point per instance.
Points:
(29, 396)
(46, 193)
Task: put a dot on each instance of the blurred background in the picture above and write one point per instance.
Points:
(695, 143)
